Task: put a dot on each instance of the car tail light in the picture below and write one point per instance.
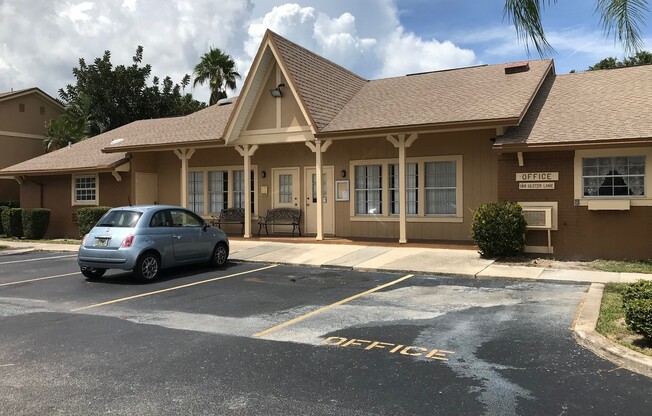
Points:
(83, 242)
(128, 241)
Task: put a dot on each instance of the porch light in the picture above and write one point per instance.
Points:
(278, 91)
(343, 173)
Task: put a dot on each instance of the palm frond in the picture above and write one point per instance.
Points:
(526, 16)
(624, 18)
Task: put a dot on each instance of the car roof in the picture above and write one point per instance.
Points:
(145, 208)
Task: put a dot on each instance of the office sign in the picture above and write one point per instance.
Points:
(537, 176)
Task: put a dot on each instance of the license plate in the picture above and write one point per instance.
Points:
(101, 242)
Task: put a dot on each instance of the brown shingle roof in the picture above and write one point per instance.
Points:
(453, 96)
(99, 153)
(324, 86)
(85, 155)
(588, 107)
(206, 125)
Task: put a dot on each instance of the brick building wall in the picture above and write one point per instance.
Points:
(581, 234)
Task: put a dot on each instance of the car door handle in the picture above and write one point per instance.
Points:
(176, 237)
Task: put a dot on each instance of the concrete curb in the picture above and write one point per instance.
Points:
(12, 252)
(586, 335)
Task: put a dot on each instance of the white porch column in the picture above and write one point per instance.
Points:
(246, 151)
(402, 141)
(184, 154)
(318, 148)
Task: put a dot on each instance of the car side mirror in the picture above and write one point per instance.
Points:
(205, 226)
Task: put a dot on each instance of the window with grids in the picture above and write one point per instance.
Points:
(196, 192)
(238, 189)
(412, 187)
(218, 190)
(368, 189)
(85, 189)
(613, 176)
(441, 188)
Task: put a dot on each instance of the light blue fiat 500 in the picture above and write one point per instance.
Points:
(146, 239)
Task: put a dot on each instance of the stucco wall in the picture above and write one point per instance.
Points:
(54, 192)
(480, 177)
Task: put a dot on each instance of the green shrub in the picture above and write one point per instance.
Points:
(35, 222)
(499, 229)
(637, 303)
(10, 204)
(639, 290)
(12, 222)
(638, 316)
(88, 217)
(2, 229)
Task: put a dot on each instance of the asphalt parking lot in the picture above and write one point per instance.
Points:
(254, 339)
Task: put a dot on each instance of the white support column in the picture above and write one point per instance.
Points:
(318, 148)
(402, 141)
(184, 154)
(246, 151)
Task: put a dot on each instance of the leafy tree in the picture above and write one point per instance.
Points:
(218, 70)
(119, 95)
(641, 58)
(623, 18)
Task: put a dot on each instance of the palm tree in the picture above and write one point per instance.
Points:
(623, 18)
(218, 69)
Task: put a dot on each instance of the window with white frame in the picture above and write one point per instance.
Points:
(368, 190)
(441, 188)
(238, 189)
(218, 190)
(196, 191)
(613, 176)
(412, 187)
(433, 187)
(84, 190)
(212, 189)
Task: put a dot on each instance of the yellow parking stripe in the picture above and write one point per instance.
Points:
(37, 279)
(325, 308)
(142, 295)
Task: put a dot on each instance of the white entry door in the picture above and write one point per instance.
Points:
(328, 200)
(285, 193)
(146, 188)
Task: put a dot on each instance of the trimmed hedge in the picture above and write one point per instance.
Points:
(88, 217)
(12, 222)
(2, 229)
(638, 316)
(637, 303)
(35, 222)
(499, 229)
(10, 204)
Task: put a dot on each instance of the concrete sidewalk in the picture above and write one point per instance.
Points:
(436, 261)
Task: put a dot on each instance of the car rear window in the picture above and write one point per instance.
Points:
(122, 218)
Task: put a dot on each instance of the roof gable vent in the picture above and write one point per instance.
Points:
(516, 67)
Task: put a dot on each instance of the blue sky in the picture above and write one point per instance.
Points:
(42, 40)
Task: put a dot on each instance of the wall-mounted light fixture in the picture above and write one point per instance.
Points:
(263, 174)
(278, 91)
(343, 173)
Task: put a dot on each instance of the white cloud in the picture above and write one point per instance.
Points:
(406, 52)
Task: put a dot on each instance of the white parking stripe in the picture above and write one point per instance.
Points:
(39, 259)
(37, 279)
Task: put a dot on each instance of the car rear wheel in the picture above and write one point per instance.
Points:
(220, 255)
(148, 267)
(92, 272)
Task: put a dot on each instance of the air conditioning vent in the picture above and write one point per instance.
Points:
(538, 218)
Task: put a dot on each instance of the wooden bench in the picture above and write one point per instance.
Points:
(281, 216)
(230, 216)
